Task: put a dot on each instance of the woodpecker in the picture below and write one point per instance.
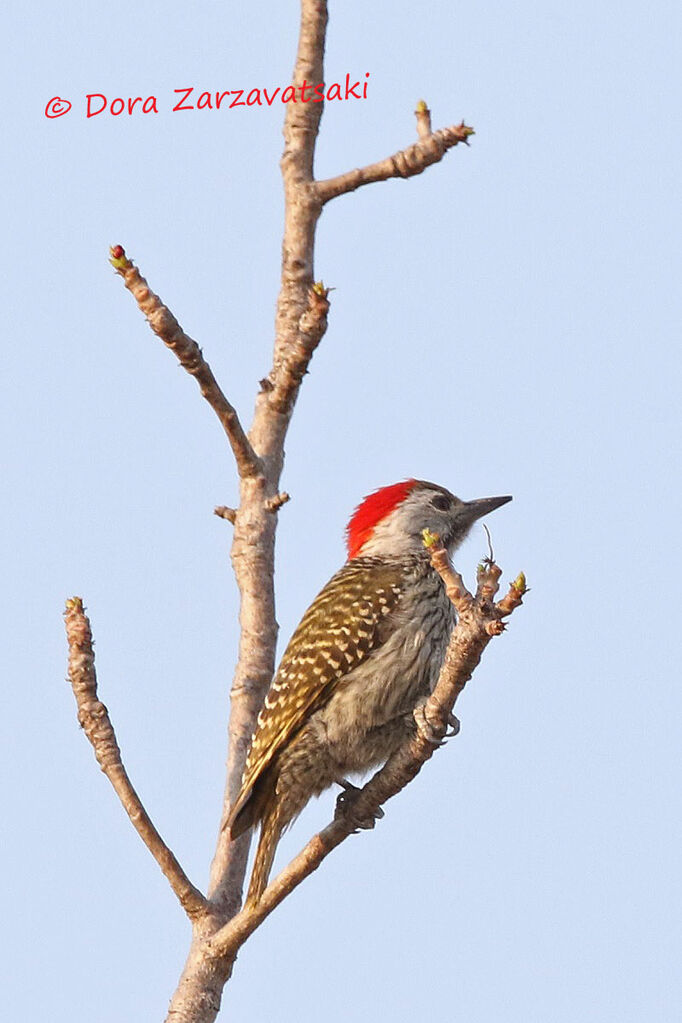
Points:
(366, 654)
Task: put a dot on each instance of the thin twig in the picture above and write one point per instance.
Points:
(488, 580)
(191, 358)
(273, 504)
(224, 512)
(455, 588)
(287, 377)
(491, 553)
(404, 164)
(514, 596)
(423, 115)
(94, 719)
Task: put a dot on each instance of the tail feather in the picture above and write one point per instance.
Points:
(249, 807)
(246, 817)
(270, 834)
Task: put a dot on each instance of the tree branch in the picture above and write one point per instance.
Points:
(273, 504)
(190, 356)
(94, 719)
(299, 326)
(431, 148)
(224, 512)
(294, 365)
(300, 323)
(478, 621)
(423, 115)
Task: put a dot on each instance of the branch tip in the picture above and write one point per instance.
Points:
(118, 259)
(223, 512)
(495, 628)
(520, 583)
(430, 148)
(488, 569)
(273, 504)
(190, 357)
(515, 594)
(94, 719)
(430, 539)
(466, 131)
(423, 115)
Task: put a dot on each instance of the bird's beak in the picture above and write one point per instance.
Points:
(485, 505)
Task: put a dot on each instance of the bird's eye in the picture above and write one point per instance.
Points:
(441, 502)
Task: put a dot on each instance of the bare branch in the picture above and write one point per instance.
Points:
(165, 326)
(514, 596)
(455, 588)
(299, 325)
(94, 719)
(301, 317)
(423, 115)
(431, 148)
(468, 641)
(223, 512)
(273, 504)
(293, 367)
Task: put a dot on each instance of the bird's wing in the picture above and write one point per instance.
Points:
(336, 634)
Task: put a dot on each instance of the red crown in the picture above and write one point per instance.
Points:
(373, 509)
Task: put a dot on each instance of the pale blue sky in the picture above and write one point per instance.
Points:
(506, 323)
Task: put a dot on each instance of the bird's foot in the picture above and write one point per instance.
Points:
(344, 808)
(434, 731)
(453, 722)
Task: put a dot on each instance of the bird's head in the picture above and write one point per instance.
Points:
(389, 523)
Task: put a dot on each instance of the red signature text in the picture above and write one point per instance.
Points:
(191, 98)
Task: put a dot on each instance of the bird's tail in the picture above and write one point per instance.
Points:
(270, 833)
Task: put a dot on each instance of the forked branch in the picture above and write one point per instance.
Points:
(191, 358)
(94, 719)
(431, 147)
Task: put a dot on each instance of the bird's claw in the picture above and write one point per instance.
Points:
(344, 808)
(434, 732)
(454, 724)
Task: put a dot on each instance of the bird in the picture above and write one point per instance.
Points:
(365, 656)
